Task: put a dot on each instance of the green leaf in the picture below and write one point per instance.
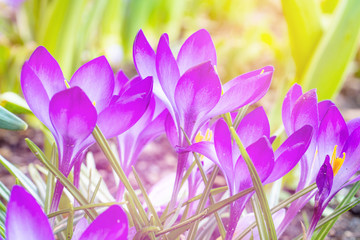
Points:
(280, 206)
(2, 231)
(259, 218)
(305, 30)
(147, 200)
(106, 149)
(64, 181)
(259, 188)
(9, 121)
(4, 192)
(24, 180)
(328, 6)
(203, 200)
(185, 225)
(335, 214)
(328, 67)
(327, 227)
(2, 213)
(50, 182)
(136, 15)
(14, 103)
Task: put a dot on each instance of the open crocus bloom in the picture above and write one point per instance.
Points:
(334, 144)
(254, 132)
(338, 166)
(71, 114)
(26, 220)
(190, 87)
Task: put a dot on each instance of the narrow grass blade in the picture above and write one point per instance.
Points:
(259, 189)
(4, 192)
(259, 218)
(105, 147)
(206, 212)
(335, 214)
(64, 181)
(24, 180)
(147, 200)
(50, 182)
(280, 206)
(203, 199)
(327, 227)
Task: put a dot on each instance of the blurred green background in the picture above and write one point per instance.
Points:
(312, 42)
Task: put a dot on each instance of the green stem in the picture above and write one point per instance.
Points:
(280, 206)
(63, 180)
(94, 205)
(105, 147)
(202, 202)
(148, 202)
(207, 211)
(204, 178)
(259, 188)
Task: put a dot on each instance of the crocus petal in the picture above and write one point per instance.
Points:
(324, 181)
(290, 152)
(171, 131)
(288, 105)
(223, 147)
(332, 131)
(128, 109)
(244, 89)
(167, 69)
(80, 228)
(253, 126)
(145, 64)
(353, 124)
(47, 70)
(196, 93)
(206, 149)
(111, 224)
(96, 79)
(305, 112)
(351, 163)
(120, 80)
(35, 95)
(198, 48)
(262, 156)
(25, 219)
(323, 107)
(144, 56)
(73, 115)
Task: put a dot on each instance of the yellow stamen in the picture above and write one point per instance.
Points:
(336, 162)
(262, 71)
(66, 83)
(208, 135)
(94, 103)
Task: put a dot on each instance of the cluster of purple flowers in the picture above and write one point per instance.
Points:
(182, 96)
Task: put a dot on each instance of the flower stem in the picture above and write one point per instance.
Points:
(259, 188)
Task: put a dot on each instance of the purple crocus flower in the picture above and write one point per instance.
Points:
(334, 144)
(254, 132)
(26, 220)
(150, 126)
(190, 87)
(339, 166)
(70, 114)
